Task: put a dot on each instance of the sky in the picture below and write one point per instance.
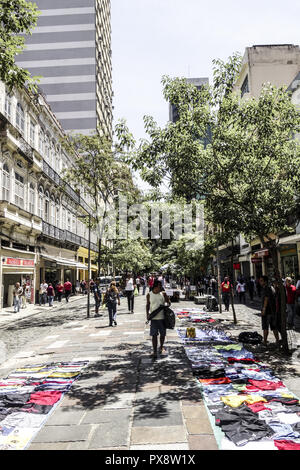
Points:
(180, 38)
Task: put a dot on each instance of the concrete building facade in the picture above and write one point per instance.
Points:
(278, 64)
(71, 50)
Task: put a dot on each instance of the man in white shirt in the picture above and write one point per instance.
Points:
(43, 293)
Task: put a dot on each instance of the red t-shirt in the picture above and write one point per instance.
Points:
(45, 397)
(60, 288)
(67, 285)
(290, 294)
(226, 286)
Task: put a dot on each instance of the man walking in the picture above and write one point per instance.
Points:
(226, 292)
(17, 293)
(290, 301)
(67, 289)
(155, 299)
(97, 296)
(43, 293)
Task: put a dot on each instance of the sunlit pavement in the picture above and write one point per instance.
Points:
(124, 399)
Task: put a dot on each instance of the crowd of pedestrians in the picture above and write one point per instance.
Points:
(269, 295)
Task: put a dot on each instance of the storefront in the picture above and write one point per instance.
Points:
(53, 270)
(15, 270)
(257, 266)
(289, 261)
(83, 254)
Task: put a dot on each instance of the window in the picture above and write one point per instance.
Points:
(69, 222)
(20, 118)
(47, 149)
(41, 202)
(245, 86)
(19, 190)
(7, 109)
(63, 219)
(52, 210)
(57, 213)
(41, 141)
(31, 205)
(47, 207)
(32, 133)
(5, 182)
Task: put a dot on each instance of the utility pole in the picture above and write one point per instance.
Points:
(89, 269)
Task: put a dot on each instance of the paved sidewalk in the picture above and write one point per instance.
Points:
(7, 314)
(124, 400)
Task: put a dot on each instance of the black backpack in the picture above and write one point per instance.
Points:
(251, 337)
(170, 318)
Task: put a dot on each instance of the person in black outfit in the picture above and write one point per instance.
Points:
(268, 310)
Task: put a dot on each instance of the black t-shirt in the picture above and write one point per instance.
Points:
(269, 292)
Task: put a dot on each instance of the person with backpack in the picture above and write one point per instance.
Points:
(155, 299)
(111, 299)
(268, 310)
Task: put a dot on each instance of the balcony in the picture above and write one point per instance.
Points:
(73, 238)
(67, 188)
(58, 234)
(25, 149)
(53, 232)
(13, 134)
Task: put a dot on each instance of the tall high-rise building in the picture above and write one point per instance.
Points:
(71, 49)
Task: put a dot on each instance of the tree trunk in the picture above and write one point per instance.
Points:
(99, 256)
(219, 280)
(278, 277)
(231, 294)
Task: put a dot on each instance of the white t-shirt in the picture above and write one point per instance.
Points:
(129, 284)
(155, 301)
(44, 287)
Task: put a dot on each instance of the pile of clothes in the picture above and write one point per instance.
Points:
(27, 397)
(251, 407)
(194, 315)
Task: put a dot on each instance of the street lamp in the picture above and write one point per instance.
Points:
(89, 264)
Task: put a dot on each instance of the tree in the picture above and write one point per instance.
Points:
(99, 173)
(249, 173)
(17, 18)
(131, 255)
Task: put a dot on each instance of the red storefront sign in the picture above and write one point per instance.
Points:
(28, 262)
(18, 262)
(237, 266)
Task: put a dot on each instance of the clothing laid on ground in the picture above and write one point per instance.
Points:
(242, 426)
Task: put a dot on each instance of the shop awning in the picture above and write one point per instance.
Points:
(262, 253)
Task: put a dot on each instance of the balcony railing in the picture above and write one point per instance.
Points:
(53, 232)
(73, 238)
(66, 236)
(67, 188)
(25, 149)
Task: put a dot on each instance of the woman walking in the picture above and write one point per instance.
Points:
(129, 292)
(111, 299)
